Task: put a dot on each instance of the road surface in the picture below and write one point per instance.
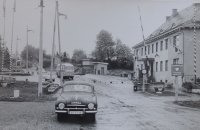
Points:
(119, 109)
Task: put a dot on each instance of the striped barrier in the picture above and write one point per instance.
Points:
(194, 19)
(108, 82)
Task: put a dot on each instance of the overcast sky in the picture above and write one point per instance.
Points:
(86, 18)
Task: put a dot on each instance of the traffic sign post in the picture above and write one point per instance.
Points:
(176, 70)
(143, 84)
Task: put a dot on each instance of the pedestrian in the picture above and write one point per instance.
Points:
(135, 84)
(198, 80)
(190, 87)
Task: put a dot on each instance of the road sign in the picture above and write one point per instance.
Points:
(177, 69)
(144, 71)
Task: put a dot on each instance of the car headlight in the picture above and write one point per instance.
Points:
(61, 105)
(91, 106)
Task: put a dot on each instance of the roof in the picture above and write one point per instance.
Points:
(183, 18)
(100, 63)
(68, 64)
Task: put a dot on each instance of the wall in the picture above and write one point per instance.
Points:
(98, 67)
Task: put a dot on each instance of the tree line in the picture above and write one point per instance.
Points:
(117, 54)
(114, 52)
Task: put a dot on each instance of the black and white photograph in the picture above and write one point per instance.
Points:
(99, 64)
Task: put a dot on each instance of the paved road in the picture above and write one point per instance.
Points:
(119, 109)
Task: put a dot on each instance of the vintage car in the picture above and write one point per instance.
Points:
(77, 98)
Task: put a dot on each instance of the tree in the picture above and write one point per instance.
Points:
(6, 58)
(65, 57)
(33, 53)
(78, 55)
(104, 46)
(122, 50)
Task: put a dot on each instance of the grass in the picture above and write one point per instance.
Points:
(193, 104)
(28, 92)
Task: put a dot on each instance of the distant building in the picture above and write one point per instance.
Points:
(100, 68)
(171, 43)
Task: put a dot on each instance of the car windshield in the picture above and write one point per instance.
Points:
(79, 88)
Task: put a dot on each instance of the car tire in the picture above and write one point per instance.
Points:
(92, 116)
(59, 116)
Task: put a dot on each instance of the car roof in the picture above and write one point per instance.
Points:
(78, 82)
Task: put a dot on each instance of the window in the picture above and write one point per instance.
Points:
(141, 66)
(166, 65)
(161, 66)
(156, 47)
(156, 66)
(152, 48)
(148, 49)
(161, 45)
(166, 44)
(175, 43)
(142, 52)
(137, 51)
(175, 61)
(145, 50)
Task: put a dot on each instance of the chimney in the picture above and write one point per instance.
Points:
(167, 17)
(174, 12)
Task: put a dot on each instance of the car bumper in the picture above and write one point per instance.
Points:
(84, 112)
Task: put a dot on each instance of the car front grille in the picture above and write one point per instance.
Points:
(76, 106)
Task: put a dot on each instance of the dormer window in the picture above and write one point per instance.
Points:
(160, 31)
(173, 25)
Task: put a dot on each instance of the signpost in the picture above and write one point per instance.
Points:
(176, 70)
(143, 84)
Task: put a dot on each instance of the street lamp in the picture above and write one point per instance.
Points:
(27, 49)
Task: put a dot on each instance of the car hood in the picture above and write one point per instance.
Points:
(77, 97)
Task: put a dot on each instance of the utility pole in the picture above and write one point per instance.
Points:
(27, 49)
(17, 50)
(59, 14)
(61, 76)
(41, 50)
(53, 45)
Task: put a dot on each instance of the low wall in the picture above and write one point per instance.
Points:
(150, 87)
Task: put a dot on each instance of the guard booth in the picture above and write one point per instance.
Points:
(100, 68)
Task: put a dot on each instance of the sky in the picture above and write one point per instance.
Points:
(85, 19)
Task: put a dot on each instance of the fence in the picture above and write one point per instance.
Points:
(191, 78)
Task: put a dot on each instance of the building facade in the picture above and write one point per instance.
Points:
(100, 68)
(172, 43)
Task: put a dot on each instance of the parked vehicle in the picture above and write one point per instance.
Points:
(67, 70)
(77, 98)
(46, 75)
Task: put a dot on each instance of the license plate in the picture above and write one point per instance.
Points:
(76, 112)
